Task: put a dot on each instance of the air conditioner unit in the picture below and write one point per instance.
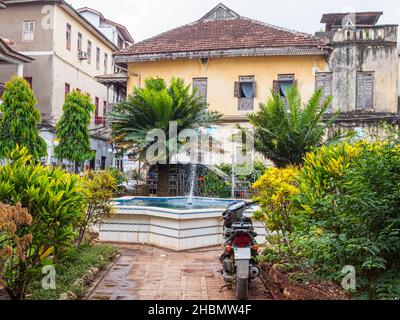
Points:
(82, 55)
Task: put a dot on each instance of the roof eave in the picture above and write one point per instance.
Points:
(230, 53)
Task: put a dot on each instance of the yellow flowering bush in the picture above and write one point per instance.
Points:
(276, 189)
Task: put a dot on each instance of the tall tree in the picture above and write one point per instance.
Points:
(154, 107)
(73, 129)
(286, 130)
(20, 119)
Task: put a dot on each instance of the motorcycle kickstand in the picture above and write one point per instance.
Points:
(229, 286)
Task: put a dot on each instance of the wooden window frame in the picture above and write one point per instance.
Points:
(325, 96)
(245, 104)
(67, 92)
(199, 79)
(30, 81)
(98, 53)
(89, 52)
(31, 33)
(365, 108)
(79, 42)
(68, 37)
(105, 63)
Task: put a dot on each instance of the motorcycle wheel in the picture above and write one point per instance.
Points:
(242, 289)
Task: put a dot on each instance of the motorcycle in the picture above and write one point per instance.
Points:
(240, 249)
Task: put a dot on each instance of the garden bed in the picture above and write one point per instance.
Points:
(298, 286)
(75, 273)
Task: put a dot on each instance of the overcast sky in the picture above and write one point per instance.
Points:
(146, 18)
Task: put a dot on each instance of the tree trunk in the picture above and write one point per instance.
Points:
(163, 180)
(76, 167)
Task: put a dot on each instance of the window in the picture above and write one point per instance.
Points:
(365, 91)
(120, 43)
(98, 58)
(89, 52)
(200, 86)
(68, 37)
(79, 44)
(67, 89)
(245, 91)
(105, 63)
(284, 82)
(28, 31)
(97, 119)
(104, 112)
(323, 80)
(29, 80)
(2, 87)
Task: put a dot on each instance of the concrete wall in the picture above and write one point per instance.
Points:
(365, 49)
(222, 74)
(11, 22)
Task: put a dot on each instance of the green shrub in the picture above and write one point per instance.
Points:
(99, 189)
(346, 213)
(20, 119)
(54, 199)
(74, 265)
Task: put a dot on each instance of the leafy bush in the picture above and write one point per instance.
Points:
(74, 265)
(73, 129)
(215, 186)
(118, 176)
(286, 130)
(53, 198)
(14, 246)
(20, 119)
(346, 213)
(276, 189)
(99, 188)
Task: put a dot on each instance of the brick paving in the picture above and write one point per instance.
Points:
(149, 273)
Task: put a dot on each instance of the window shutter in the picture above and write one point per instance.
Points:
(276, 86)
(365, 91)
(324, 81)
(237, 90)
(254, 89)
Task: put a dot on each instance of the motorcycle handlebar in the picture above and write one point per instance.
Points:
(248, 204)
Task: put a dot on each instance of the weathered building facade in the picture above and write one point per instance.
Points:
(363, 76)
(69, 52)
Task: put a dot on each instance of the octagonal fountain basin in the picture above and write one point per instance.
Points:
(175, 223)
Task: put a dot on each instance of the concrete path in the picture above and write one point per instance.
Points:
(148, 273)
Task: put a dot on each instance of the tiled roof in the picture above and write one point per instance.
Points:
(6, 50)
(225, 34)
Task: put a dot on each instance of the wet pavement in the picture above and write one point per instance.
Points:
(149, 273)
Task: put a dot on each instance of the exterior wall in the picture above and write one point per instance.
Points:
(40, 49)
(11, 22)
(67, 73)
(375, 50)
(222, 74)
(108, 30)
(54, 65)
(68, 68)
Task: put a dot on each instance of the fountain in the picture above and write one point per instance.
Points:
(193, 176)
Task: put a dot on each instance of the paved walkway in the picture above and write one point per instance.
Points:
(148, 273)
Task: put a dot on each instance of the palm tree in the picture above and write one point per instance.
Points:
(154, 107)
(285, 130)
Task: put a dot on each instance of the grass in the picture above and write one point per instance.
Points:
(72, 267)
